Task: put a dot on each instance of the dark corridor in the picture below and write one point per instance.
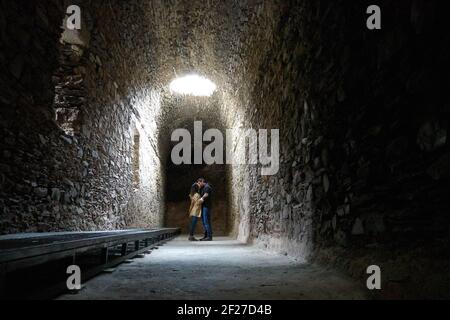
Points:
(355, 95)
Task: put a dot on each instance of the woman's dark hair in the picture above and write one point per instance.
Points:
(194, 189)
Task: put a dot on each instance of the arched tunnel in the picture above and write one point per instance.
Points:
(355, 120)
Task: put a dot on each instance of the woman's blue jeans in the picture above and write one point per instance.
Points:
(193, 225)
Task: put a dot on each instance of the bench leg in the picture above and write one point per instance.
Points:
(137, 245)
(124, 249)
(104, 256)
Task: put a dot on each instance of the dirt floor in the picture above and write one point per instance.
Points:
(222, 269)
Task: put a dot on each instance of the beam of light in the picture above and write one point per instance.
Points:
(194, 85)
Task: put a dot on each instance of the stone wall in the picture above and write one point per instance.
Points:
(67, 144)
(28, 58)
(364, 119)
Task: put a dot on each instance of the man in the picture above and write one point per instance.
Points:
(206, 200)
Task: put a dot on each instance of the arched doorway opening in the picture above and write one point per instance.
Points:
(179, 179)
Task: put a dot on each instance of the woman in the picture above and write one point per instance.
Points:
(195, 210)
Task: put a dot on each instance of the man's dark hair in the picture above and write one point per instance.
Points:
(201, 180)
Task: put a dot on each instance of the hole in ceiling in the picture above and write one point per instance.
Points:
(194, 85)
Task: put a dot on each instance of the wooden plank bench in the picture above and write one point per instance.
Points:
(21, 252)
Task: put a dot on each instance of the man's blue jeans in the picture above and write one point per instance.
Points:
(206, 219)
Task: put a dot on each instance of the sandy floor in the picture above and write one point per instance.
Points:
(223, 269)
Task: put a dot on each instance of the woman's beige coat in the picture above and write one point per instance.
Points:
(196, 206)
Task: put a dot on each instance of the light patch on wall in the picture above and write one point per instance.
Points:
(194, 85)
